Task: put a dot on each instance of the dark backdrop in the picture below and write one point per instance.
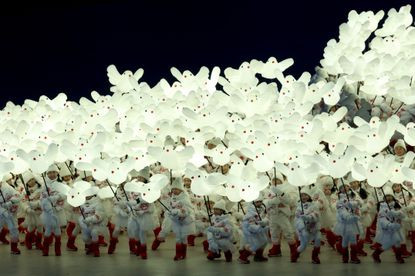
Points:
(47, 48)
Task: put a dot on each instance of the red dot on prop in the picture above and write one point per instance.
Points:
(371, 171)
(243, 190)
(396, 170)
(112, 172)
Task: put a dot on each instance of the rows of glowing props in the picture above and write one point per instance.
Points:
(139, 125)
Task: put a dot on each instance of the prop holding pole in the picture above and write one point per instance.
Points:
(242, 208)
(256, 209)
(25, 186)
(112, 190)
(162, 204)
(207, 209)
(299, 194)
(47, 188)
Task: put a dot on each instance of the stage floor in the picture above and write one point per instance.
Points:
(160, 262)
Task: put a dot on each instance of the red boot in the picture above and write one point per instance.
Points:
(156, 231)
(143, 251)
(46, 243)
(314, 255)
(184, 250)
(228, 256)
(413, 241)
(376, 255)
(101, 241)
(211, 255)
(178, 255)
(368, 239)
(405, 252)
(339, 247)
(398, 255)
(275, 251)
(29, 239)
(95, 249)
(259, 256)
(345, 255)
(138, 248)
(331, 238)
(132, 245)
(243, 256)
(58, 246)
(113, 244)
(191, 240)
(156, 243)
(13, 248)
(111, 228)
(294, 253)
(69, 228)
(360, 250)
(205, 245)
(70, 244)
(38, 243)
(353, 254)
(3, 234)
(20, 227)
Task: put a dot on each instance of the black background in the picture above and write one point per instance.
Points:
(50, 47)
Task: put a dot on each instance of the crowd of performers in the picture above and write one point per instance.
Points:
(342, 214)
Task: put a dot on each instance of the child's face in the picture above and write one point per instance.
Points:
(141, 179)
(31, 183)
(67, 178)
(327, 190)
(399, 151)
(89, 178)
(217, 211)
(258, 203)
(354, 185)
(225, 168)
(397, 188)
(52, 175)
(305, 197)
(211, 146)
(389, 198)
(276, 181)
(343, 187)
(176, 191)
(187, 182)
